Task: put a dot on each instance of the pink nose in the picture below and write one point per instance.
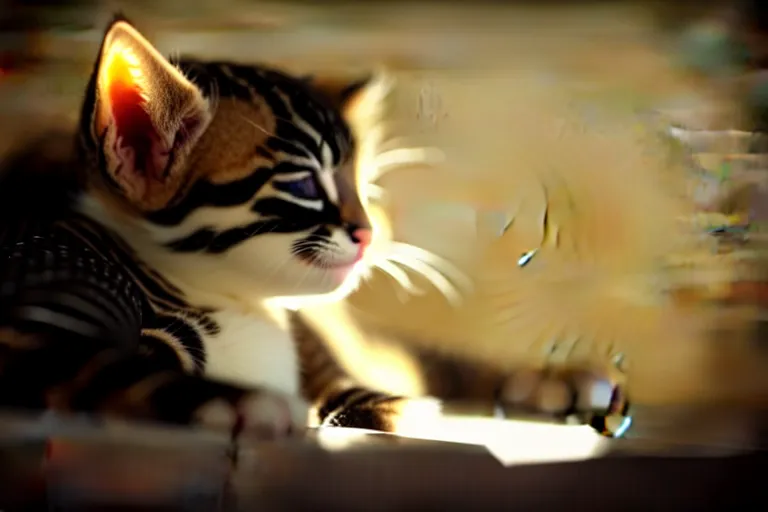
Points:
(363, 237)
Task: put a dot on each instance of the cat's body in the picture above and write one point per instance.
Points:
(238, 338)
(245, 328)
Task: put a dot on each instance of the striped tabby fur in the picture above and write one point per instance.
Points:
(144, 259)
(140, 265)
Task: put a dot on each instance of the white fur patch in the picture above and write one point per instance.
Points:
(252, 351)
(325, 176)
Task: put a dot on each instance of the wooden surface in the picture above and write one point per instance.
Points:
(130, 468)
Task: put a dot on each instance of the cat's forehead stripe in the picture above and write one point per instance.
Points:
(312, 204)
(290, 104)
(305, 140)
(326, 180)
(292, 176)
(327, 157)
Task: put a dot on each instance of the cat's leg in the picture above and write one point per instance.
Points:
(578, 392)
(268, 412)
(345, 404)
(56, 370)
(70, 340)
(558, 393)
(586, 394)
(339, 400)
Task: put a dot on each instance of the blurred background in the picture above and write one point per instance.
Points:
(471, 77)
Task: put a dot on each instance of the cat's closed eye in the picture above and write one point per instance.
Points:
(303, 188)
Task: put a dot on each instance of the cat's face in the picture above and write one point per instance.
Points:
(222, 174)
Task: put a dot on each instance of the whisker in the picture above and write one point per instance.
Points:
(389, 143)
(317, 246)
(434, 261)
(213, 93)
(280, 264)
(305, 243)
(432, 275)
(386, 161)
(213, 98)
(271, 134)
(399, 275)
(260, 229)
(306, 251)
(318, 258)
(374, 191)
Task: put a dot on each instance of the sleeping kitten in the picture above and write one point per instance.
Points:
(199, 191)
(141, 273)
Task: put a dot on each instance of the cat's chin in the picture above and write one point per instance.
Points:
(336, 281)
(342, 274)
(337, 275)
(337, 272)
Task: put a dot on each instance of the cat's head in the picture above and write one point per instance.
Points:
(225, 176)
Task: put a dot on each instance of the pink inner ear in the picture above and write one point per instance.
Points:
(138, 144)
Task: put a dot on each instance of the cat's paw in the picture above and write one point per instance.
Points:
(261, 415)
(592, 397)
(372, 410)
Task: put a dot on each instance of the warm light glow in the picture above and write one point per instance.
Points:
(124, 100)
(511, 442)
(122, 74)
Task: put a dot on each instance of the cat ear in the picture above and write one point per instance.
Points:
(361, 100)
(340, 92)
(147, 117)
(347, 93)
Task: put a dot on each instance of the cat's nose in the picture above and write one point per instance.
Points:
(363, 237)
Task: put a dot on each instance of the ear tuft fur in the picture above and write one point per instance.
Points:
(145, 115)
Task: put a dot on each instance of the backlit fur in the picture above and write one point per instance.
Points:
(230, 152)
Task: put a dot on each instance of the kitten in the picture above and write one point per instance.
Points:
(199, 191)
(143, 274)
